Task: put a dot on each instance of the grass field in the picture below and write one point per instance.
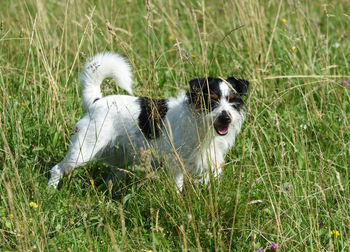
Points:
(286, 182)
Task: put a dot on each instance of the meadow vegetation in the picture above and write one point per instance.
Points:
(285, 183)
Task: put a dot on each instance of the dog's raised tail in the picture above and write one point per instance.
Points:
(100, 67)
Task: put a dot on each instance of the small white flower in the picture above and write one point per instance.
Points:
(189, 217)
(303, 126)
(336, 45)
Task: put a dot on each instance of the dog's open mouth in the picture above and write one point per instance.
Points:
(221, 129)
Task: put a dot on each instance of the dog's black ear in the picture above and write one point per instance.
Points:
(241, 86)
(198, 88)
(197, 84)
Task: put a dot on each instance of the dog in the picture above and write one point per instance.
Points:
(190, 133)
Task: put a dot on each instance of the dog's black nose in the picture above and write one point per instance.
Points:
(224, 118)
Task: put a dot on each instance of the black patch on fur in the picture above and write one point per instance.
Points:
(151, 117)
(241, 86)
(205, 93)
(236, 102)
(95, 100)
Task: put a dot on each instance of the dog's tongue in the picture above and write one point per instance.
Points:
(222, 130)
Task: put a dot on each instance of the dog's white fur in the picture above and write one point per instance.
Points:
(109, 129)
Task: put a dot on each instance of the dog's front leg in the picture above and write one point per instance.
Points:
(213, 169)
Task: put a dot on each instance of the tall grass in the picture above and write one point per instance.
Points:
(287, 179)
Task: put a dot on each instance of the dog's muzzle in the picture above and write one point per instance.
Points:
(222, 123)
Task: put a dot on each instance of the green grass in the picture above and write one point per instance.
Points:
(286, 180)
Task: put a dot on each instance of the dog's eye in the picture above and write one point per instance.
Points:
(231, 98)
(214, 97)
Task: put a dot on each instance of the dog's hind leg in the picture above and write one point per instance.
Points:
(74, 158)
(56, 174)
(85, 146)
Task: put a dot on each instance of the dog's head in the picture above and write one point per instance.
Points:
(220, 101)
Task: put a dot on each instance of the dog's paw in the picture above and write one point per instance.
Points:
(55, 177)
(53, 182)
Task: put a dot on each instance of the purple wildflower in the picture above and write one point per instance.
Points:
(321, 224)
(275, 247)
(151, 61)
(79, 207)
(259, 250)
(345, 83)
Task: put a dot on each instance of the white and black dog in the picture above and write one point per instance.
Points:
(190, 133)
